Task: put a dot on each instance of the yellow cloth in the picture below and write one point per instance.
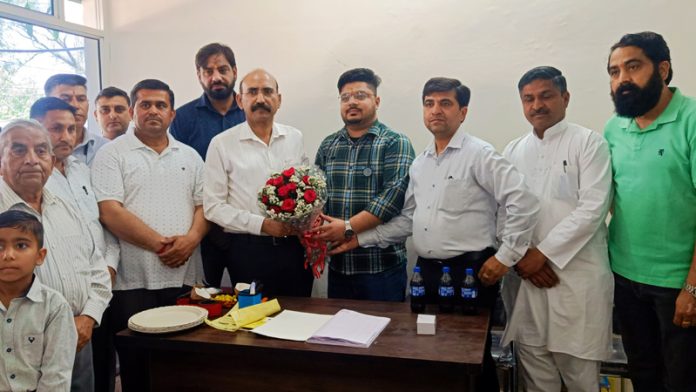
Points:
(237, 318)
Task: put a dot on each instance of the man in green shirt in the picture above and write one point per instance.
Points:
(652, 139)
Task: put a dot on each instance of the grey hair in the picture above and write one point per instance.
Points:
(23, 124)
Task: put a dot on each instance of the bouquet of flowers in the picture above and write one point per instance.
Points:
(296, 196)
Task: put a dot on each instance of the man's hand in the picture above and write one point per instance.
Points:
(345, 246)
(179, 249)
(84, 326)
(275, 228)
(685, 310)
(112, 273)
(491, 271)
(545, 277)
(334, 230)
(531, 263)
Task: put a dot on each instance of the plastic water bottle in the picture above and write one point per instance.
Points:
(417, 292)
(469, 292)
(445, 291)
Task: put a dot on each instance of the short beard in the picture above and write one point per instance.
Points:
(639, 100)
(219, 95)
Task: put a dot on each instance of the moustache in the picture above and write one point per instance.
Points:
(62, 144)
(261, 106)
(627, 87)
(540, 111)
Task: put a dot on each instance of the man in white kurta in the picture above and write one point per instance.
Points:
(561, 330)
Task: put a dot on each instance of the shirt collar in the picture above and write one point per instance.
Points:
(668, 115)
(204, 102)
(552, 131)
(34, 293)
(88, 138)
(457, 141)
(134, 143)
(12, 199)
(376, 129)
(247, 134)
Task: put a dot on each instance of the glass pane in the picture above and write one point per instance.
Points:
(44, 6)
(82, 12)
(29, 54)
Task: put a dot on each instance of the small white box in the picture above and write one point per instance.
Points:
(425, 325)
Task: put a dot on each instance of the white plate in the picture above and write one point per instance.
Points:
(167, 319)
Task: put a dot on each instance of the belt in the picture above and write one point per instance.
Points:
(468, 256)
(264, 239)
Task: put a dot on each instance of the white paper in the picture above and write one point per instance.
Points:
(291, 325)
(349, 328)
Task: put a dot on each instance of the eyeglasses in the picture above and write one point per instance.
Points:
(358, 95)
(254, 91)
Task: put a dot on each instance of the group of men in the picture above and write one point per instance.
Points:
(151, 208)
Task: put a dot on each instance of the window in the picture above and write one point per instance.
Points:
(34, 45)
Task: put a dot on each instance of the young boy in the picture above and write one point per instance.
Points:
(37, 331)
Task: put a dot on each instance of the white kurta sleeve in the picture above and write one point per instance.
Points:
(572, 233)
(500, 178)
(215, 189)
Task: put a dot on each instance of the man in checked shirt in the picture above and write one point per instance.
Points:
(366, 165)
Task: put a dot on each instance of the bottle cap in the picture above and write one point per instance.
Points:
(445, 269)
(469, 271)
(416, 269)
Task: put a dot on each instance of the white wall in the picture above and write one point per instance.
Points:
(307, 44)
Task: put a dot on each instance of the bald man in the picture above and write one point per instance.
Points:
(238, 163)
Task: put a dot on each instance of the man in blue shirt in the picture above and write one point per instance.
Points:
(198, 121)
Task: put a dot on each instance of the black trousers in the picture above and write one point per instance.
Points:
(277, 262)
(104, 354)
(125, 303)
(431, 270)
(215, 247)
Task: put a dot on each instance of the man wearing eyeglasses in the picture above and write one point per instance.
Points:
(366, 165)
(238, 163)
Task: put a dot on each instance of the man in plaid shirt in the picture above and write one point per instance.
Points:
(366, 165)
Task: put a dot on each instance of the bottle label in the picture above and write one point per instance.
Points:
(469, 292)
(446, 291)
(418, 291)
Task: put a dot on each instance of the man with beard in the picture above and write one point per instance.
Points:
(239, 162)
(149, 187)
(366, 165)
(198, 121)
(652, 233)
(112, 112)
(70, 180)
(73, 90)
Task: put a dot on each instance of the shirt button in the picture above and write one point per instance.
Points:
(9, 350)
(12, 376)
(9, 320)
(430, 251)
(426, 229)
(433, 185)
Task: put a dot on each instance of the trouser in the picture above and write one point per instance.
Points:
(660, 354)
(104, 354)
(542, 370)
(431, 271)
(83, 370)
(126, 303)
(215, 247)
(277, 262)
(389, 285)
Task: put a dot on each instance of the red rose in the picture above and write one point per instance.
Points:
(269, 182)
(275, 209)
(310, 195)
(288, 205)
(305, 179)
(291, 187)
(289, 172)
(283, 191)
(278, 181)
(264, 199)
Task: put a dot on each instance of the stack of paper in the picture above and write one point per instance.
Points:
(349, 328)
(345, 328)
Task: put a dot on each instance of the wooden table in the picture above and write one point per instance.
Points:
(206, 359)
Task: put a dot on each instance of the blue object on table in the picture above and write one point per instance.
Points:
(245, 299)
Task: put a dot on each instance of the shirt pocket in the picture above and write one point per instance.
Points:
(456, 194)
(32, 348)
(564, 183)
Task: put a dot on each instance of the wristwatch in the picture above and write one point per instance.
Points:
(691, 289)
(349, 233)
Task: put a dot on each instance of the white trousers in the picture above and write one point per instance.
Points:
(542, 370)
